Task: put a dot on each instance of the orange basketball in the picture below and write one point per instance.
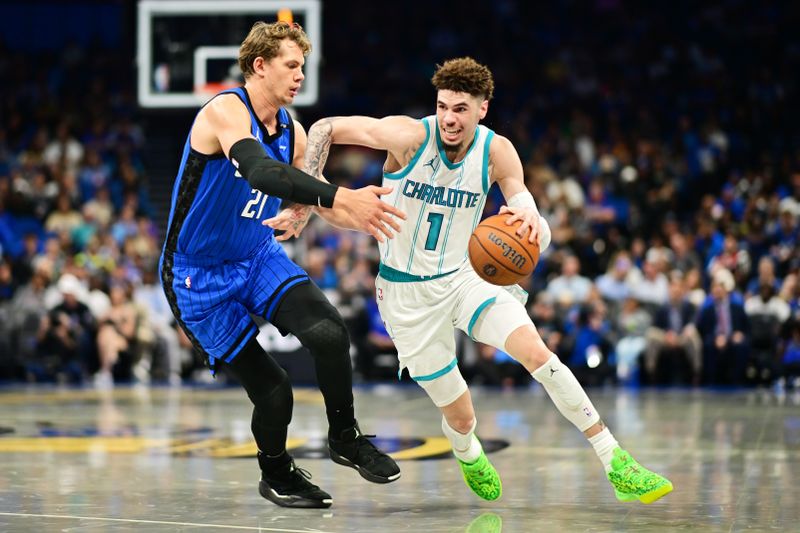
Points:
(498, 254)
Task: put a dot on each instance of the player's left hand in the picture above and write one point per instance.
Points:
(291, 221)
(529, 218)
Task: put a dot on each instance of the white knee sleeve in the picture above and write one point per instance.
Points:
(568, 395)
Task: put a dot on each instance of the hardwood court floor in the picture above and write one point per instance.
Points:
(181, 460)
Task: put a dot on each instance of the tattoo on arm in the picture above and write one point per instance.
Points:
(318, 146)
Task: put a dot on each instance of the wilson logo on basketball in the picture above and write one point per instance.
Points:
(516, 258)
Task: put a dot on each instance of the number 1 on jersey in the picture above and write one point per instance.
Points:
(435, 220)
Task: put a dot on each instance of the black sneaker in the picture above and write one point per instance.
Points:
(354, 449)
(289, 486)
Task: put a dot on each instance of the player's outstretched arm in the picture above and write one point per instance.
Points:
(226, 123)
(505, 168)
(401, 136)
(390, 133)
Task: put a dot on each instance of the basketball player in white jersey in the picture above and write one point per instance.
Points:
(440, 169)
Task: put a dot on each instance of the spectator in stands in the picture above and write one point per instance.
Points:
(725, 329)
(570, 283)
(684, 258)
(674, 349)
(695, 293)
(27, 311)
(790, 293)
(101, 208)
(548, 323)
(592, 358)
(651, 288)
(150, 296)
(64, 150)
(116, 338)
(614, 285)
(631, 323)
(766, 276)
(733, 258)
(767, 314)
(790, 357)
(64, 219)
(94, 174)
(22, 265)
(786, 234)
(65, 336)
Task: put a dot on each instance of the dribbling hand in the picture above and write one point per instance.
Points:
(529, 218)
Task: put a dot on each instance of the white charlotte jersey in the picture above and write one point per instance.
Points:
(443, 202)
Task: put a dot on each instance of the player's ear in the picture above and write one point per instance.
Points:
(259, 63)
(484, 109)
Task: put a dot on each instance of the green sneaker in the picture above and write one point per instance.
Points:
(482, 478)
(485, 523)
(632, 481)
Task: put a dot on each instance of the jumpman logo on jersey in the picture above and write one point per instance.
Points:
(433, 163)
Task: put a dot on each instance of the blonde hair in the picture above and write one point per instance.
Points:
(264, 40)
(464, 75)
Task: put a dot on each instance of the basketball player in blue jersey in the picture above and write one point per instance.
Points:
(441, 168)
(220, 265)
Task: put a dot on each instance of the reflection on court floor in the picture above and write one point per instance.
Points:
(181, 460)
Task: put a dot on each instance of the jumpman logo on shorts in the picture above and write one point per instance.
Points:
(552, 371)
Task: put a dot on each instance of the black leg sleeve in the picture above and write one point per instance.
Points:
(308, 315)
(268, 387)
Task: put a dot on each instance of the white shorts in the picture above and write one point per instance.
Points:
(421, 317)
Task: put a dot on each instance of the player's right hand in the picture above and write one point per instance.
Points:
(291, 221)
(368, 212)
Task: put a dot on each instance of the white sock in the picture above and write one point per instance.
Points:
(466, 446)
(604, 444)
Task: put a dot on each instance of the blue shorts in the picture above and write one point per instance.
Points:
(213, 301)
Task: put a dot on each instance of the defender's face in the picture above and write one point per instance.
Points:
(458, 115)
(283, 74)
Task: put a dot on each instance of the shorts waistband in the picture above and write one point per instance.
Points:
(185, 260)
(392, 274)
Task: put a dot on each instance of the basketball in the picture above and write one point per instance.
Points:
(498, 254)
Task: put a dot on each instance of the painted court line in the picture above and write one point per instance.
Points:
(160, 522)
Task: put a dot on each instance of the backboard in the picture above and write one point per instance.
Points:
(187, 50)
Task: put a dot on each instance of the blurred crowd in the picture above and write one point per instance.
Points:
(79, 294)
(661, 147)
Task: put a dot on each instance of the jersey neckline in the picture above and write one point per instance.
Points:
(281, 125)
(440, 147)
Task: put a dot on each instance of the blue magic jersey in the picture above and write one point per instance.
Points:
(443, 202)
(215, 214)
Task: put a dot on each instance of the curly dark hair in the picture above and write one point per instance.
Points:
(464, 75)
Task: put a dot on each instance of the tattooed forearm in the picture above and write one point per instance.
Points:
(318, 146)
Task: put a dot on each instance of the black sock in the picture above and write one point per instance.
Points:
(339, 420)
(269, 463)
